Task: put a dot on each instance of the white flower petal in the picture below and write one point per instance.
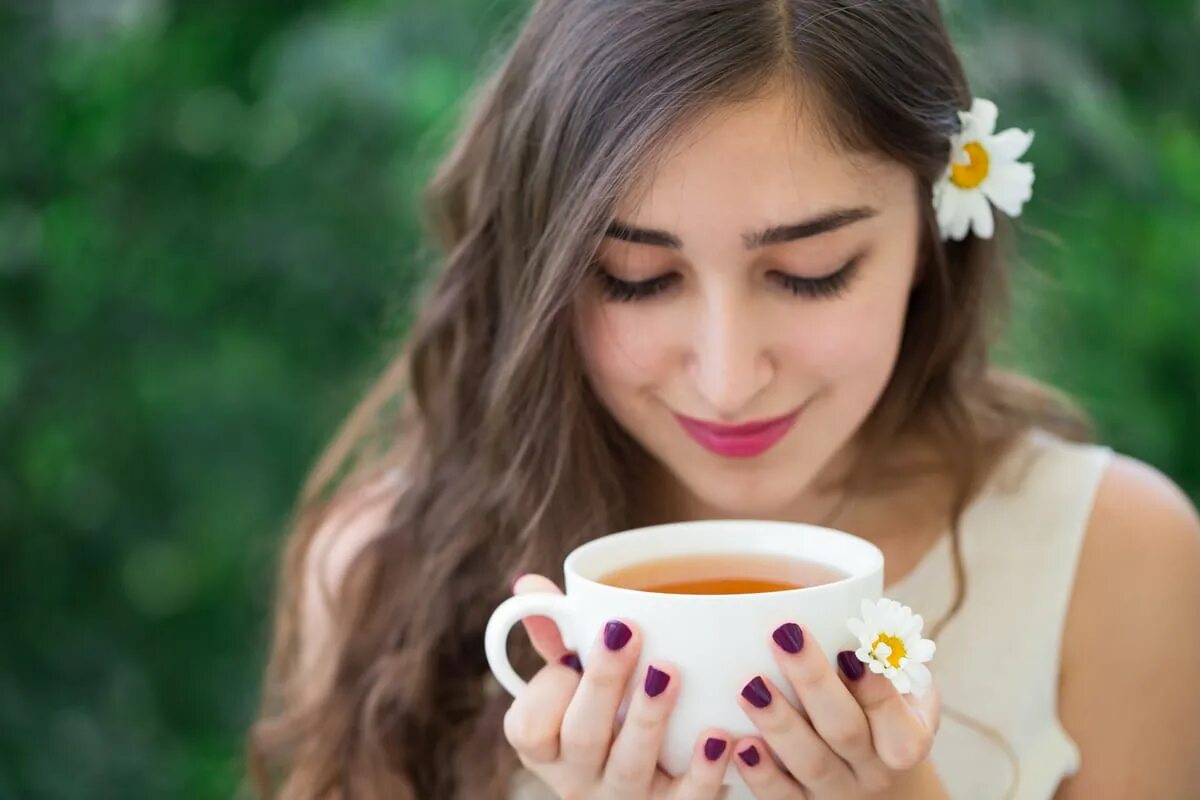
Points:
(945, 199)
(858, 628)
(913, 629)
(882, 651)
(877, 667)
(918, 673)
(921, 650)
(863, 654)
(902, 683)
(983, 116)
(958, 151)
(1008, 145)
(982, 221)
(1009, 187)
(961, 222)
(868, 613)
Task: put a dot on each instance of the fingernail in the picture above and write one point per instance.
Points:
(656, 681)
(572, 660)
(616, 635)
(852, 668)
(757, 693)
(713, 748)
(750, 756)
(789, 637)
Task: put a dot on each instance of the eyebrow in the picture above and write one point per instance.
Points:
(778, 234)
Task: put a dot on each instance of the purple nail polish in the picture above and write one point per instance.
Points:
(750, 756)
(757, 693)
(572, 660)
(789, 637)
(713, 748)
(656, 681)
(852, 668)
(616, 635)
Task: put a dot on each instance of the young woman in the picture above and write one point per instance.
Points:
(664, 218)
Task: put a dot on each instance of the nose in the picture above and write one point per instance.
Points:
(730, 363)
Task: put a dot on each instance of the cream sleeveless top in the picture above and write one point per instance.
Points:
(997, 660)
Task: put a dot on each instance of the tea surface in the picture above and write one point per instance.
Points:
(721, 573)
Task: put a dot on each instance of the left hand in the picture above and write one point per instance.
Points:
(857, 736)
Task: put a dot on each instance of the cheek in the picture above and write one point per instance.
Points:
(622, 349)
(854, 342)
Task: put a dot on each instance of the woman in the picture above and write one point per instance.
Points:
(667, 216)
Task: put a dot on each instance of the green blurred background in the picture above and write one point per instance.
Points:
(208, 244)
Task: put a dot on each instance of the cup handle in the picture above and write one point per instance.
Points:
(495, 638)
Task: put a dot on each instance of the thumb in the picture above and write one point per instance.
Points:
(543, 633)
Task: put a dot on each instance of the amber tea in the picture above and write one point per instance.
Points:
(721, 573)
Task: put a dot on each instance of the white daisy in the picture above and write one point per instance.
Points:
(891, 645)
(983, 167)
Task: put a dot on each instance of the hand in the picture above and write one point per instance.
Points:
(562, 725)
(857, 736)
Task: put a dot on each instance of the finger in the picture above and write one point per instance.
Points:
(803, 752)
(760, 772)
(703, 779)
(900, 733)
(928, 706)
(587, 729)
(633, 759)
(836, 715)
(543, 633)
(533, 721)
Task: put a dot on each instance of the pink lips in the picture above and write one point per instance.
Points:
(738, 441)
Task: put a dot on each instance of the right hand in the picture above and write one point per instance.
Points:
(562, 726)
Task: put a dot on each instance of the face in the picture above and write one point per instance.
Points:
(708, 320)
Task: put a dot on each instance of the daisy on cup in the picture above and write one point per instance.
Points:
(889, 635)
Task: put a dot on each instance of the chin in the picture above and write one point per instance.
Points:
(748, 498)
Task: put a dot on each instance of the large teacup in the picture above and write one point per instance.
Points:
(718, 642)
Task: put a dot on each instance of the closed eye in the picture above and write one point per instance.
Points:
(625, 291)
(831, 285)
(826, 286)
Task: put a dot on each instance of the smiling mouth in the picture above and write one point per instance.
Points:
(738, 441)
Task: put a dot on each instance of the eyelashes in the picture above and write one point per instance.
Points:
(625, 291)
(825, 287)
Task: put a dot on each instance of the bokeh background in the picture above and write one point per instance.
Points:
(208, 245)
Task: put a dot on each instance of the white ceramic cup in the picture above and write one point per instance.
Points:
(717, 642)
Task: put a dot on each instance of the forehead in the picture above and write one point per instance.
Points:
(766, 160)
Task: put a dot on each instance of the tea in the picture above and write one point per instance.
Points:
(721, 573)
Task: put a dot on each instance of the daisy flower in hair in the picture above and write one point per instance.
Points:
(983, 172)
(890, 644)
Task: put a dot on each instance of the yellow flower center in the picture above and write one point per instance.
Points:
(898, 651)
(971, 174)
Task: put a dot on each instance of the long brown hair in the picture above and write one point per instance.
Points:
(508, 459)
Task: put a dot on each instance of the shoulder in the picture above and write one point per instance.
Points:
(1142, 541)
(350, 523)
(1143, 529)
(1136, 589)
